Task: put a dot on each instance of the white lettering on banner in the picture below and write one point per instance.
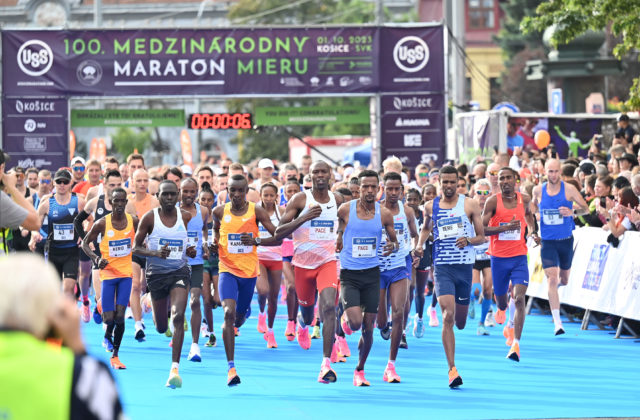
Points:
(35, 58)
(156, 68)
(428, 157)
(34, 106)
(413, 140)
(402, 103)
(603, 278)
(411, 54)
(413, 122)
(175, 246)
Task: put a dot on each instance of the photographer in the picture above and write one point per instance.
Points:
(15, 209)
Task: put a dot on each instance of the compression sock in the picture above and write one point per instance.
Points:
(486, 305)
(512, 312)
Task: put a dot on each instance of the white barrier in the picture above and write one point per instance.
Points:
(603, 278)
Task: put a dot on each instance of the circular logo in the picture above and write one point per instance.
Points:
(227, 218)
(411, 54)
(29, 125)
(89, 72)
(35, 58)
(100, 211)
(19, 106)
(110, 233)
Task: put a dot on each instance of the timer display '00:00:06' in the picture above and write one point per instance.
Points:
(221, 121)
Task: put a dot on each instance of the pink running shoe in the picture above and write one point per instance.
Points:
(359, 379)
(327, 374)
(86, 313)
(262, 323)
(290, 331)
(433, 318)
(345, 325)
(390, 374)
(343, 347)
(303, 338)
(271, 340)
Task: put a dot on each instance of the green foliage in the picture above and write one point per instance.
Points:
(287, 12)
(125, 140)
(510, 38)
(573, 17)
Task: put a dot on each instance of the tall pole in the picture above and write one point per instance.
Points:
(97, 13)
(458, 76)
(375, 115)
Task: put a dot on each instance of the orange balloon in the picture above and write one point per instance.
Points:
(542, 138)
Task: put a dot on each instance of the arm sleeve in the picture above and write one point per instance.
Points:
(77, 223)
(11, 214)
(93, 391)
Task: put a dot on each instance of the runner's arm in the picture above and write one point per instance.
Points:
(387, 222)
(145, 228)
(43, 210)
(411, 221)
(427, 227)
(532, 224)
(97, 229)
(263, 217)
(83, 215)
(343, 219)
(576, 197)
(488, 212)
(476, 219)
(291, 219)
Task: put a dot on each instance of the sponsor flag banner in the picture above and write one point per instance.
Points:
(35, 132)
(72, 144)
(312, 115)
(185, 145)
(127, 118)
(93, 149)
(247, 61)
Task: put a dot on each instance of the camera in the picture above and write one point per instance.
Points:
(603, 202)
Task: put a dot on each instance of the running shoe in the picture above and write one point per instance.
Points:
(433, 317)
(403, 342)
(407, 328)
(508, 333)
(559, 330)
(385, 332)
(186, 325)
(315, 334)
(97, 316)
(482, 330)
(116, 363)
(345, 324)
(489, 322)
(454, 378)
(232, 377)
(204, 332)
(140, 336)
(343, 347)
(107, 344)
(359, 379)
(212, 341)
(390, 374)
(174, 381)
(327, 375)
(418, 327)
(303, 338)
(127, 313)
(336, 356)
(290, 331)
(236, 331)
(86, 313)
(168, 333)
(514, 352)
(271, 340)
(145, 303)
(472, 308)
(262, 323)
(501, 316)
(194, 353)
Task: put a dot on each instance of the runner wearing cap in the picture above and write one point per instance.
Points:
(265, 168)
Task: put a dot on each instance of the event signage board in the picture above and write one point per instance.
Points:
(35, 132)
(413, 127)
(127, 118)
(229, 61)
(312, 115)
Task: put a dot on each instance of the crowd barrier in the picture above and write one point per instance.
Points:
(603, 278)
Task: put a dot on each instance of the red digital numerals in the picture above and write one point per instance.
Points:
(224, 121)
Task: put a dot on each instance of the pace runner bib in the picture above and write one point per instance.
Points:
(363, 247)
(63, 232)
(210, 236)
(176, 246)
(509, 235)
(552, 217)
(235, 245)
(321, 230)
(450, 227)
(120, 248)
(264, 233)
(192, 239)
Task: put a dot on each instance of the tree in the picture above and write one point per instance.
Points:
(510, 38)
(126, 140)
(573, 18)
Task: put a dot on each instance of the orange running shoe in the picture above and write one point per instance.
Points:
(271, 340)
(327, 375)
(116, 363)
(390, 374)
(232, 377)
(359, 379)
(236, 331)
(454, 378)
(508, 334)
(500, 316)
(290, 331)
(514, 352)
(343, 347)
(262, 323)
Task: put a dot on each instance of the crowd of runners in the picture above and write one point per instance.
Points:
(347, 249)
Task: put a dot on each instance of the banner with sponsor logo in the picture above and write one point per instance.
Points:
(603, 278)
(413, 127)
(247, 61)
(312, 115)
(127, 118)
(35, 132)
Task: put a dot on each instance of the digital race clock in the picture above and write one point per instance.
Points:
(222, 121)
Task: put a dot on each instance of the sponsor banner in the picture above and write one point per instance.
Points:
(603, 278)
(35, 132)
(413, 128)
(249, 61)
(127, 118)
(312, 115)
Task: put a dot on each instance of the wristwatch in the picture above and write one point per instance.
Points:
(258, 240)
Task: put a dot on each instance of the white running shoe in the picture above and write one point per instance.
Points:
(489, 320)
(418, 327)
(128, 314)
(194, 353)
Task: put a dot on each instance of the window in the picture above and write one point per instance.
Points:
(481, 14)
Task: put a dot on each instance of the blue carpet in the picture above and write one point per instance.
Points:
(580, 374)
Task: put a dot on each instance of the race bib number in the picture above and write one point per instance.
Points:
(552, 217)
(264, 233)
(509, 235)
(481, 254)
(210, 236)
(192, 239)
(176, 248)
(235, 245)
(363, 247)
(63, 232)
(321, 230)
(450, 227)
(120, 248)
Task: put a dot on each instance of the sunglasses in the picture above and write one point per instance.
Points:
(62, 181)
(424, 174)
(45, 181)
(78, 168)
(482, 192)
(225, 167)
(493, 173)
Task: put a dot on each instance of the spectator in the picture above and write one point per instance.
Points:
(616, 214)
(635, 184)
(32, 179)
(78, 166)
(625, 131)
(627, 162)
(15, 209)
(53, 382)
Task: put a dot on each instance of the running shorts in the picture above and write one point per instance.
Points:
(66, 261)
(454, 279)
(196, 276)
(309, 280)
(481, 264)
(160, 285)
(557, 253)
(391, 276)
(360, 288)
(236, 288)
(504, 269)
(117, 290)
(271, 265)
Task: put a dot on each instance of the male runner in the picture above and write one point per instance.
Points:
(265, 168)
(114, 263)
(482, 265)
(235, 226)
(504, 217)
(360, 226)
(457, 226)
(554, 199)
(395, 269)
(311, 217)
(168, 271)
(139, 204)
(223, 195)
(196, 230)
